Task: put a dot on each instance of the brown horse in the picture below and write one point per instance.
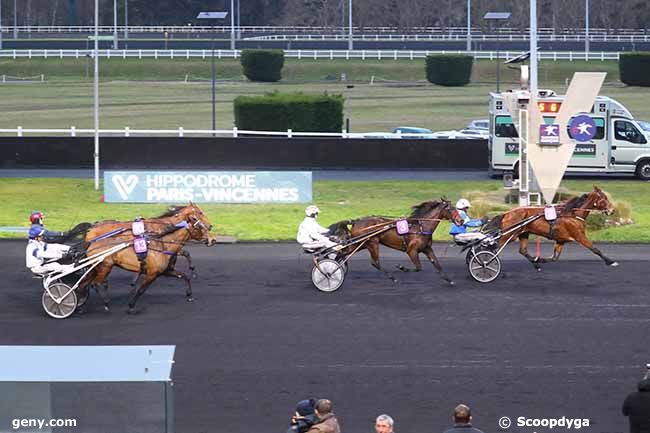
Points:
(570, 225)
(153, 226)
(422, 222)
(162, 249)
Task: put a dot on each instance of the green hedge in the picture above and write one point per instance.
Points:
(263, 65)
(295, 111)
(634, 69)
(449, 69)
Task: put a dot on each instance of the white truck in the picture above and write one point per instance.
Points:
(619, 146)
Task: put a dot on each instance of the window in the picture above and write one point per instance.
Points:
(504, 127)
(626, 131)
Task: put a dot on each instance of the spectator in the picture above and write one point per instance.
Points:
(327, 422)
(304, 416)
(384, 424)
(637, 407)
(462, 421)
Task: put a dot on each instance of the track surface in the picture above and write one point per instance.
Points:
(569, 341)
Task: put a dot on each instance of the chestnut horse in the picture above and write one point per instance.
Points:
(422, 222)
(188, 223)
(570, 225)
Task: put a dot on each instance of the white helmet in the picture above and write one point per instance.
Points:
(312, 210)
(463, 204)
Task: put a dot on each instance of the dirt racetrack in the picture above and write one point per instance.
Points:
(569, 341)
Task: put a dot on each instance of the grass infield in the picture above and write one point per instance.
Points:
(69, 201)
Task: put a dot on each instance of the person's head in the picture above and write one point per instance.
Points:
(323, 407)
(384, 424)
(305, 407)
(36, 233)
(312, 211)
(462, 414)
(463, 204)
(36, 217)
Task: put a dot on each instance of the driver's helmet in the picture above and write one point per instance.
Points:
(463, 204)
(36, 217)
(312, 211)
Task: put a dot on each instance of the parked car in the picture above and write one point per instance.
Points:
(456, 135)
(411, 130)
(479, 125)
(644, 125)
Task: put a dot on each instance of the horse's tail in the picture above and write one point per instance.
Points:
(78, 230)
(494, 224)
(341, 229)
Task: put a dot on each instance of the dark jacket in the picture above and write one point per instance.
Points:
(327, 424)
(463, 428)
(637, 407)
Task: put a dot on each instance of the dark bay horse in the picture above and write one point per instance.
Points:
(163, 248)
(423, 221)
(570, 225)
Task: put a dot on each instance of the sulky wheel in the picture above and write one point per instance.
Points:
(484, 266)
(61, 303)
(329, 277)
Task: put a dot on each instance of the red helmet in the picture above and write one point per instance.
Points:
(36, 217)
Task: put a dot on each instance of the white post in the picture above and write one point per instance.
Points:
(533, 49)
(350, 42)
(96, 94)
(15, 20)
(0, 24)
(469, 25)
(115, 24)
(586, 29)
(232, 24)
(126, 22)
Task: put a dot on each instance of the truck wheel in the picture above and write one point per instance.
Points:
(643, 169)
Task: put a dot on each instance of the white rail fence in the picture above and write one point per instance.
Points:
(180, 132)
(301, 54)
(454, 37)
(320, 30)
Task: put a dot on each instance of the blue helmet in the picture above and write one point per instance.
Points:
(36, 231)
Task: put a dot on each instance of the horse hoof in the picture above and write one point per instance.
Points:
(190, 299)
(613, 265)
(451, 283)
(107, 308)
(538, 269)
(131, 310)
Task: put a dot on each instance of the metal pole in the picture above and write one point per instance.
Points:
(15, 20)
(96, 94)
(238, 20)
(498, 68)
(214, 91)
(533, 49)
(469, 25)
(0, 24)
(232, 24)
(126, 23)
(586, 29)
(115, 24)
(350, 42)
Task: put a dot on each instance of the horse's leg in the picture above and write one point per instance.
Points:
(148, 279)
(176, 274)
(523, 250)
(188, 257)
(557, 250)
(373, 249)
(583, 240)
(428, 251)
(413, 253)
(101, 279)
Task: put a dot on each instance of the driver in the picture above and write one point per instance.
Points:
(38, 252)
(311, 234)
(460, 221)
(37, 219)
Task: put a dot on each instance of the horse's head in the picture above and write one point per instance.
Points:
(447, 209)
(600, 201)
(340, 229)
(199, 224)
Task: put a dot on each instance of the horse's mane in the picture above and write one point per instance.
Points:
(575, 202)
(171, 211)
(423, 209)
